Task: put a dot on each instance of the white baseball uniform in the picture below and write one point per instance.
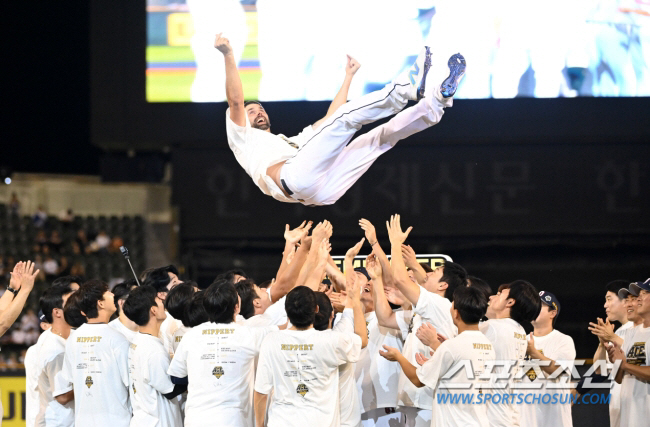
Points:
(325, 163)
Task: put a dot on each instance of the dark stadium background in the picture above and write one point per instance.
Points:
(554, 191)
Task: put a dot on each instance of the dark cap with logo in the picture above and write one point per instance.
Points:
(640, 286)
(550, 300)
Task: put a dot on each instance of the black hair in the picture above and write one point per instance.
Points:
(219, 301)
(301, 307)
(265, 284)
(137, 306)
(72, 312)
(480, 284)
(159, 277)
(471, 304)
(247, 103)
(90, 293)
(615, 285)
(178, 298)
(454, 275)
(195, 313)
(527, 302)
(324, 315)
(230, 275)
(427, 268)
(53, 298)
(247, 293)
(121, 291)
(67, 281)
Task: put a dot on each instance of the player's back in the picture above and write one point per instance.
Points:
(96, 362)
(301, 368)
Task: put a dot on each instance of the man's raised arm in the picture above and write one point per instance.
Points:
(234, 90)
(410, 290)
(342, 96)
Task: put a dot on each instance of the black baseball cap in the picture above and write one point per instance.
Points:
(363, 271)
(640, 286)
(550, 300)
(41, 316)
(624, 292)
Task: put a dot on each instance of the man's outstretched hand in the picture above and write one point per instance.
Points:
(352, 66)
(222, 44)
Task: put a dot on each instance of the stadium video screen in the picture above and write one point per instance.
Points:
(295, 49)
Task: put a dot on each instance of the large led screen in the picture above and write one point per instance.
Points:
(296, 49)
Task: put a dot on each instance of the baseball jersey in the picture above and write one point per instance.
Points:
(615, 391)
(470, 346)
(300, 367)
(50, 361)
(635, 393)
(148, 365)
(96, 366)
(119, 327)
(31, 381)
(256, 150)
(556, 346)
(508, 339)
(378, 378)
(218, 360)
(274, 315)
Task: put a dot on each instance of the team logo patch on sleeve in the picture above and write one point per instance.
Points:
(89, 381)
(302, 390)
(217, 372)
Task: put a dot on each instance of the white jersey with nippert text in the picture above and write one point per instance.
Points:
(300, 367)
(96, 367)
(218, 360)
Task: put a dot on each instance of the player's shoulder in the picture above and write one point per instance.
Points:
(561, 337)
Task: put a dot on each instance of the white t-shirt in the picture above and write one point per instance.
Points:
(430, 308)
(218, 360)
(32, 372)
(148, 365)
(50, 362)
(96, 366)
(274, 315)
(119, 327)
(635, 393)
(349, 406)
(615, 391)
(508, 339)
(166, 334)
(378, 378)
(470, 346)
(256, 150)
(301, 369)
(178, 336)
(556, 346)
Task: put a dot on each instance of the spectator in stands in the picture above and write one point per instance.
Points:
(114, 247)
(14, 204)
(40, 217)
(41, 239)
(77, 269)
(102, 240)
(82, 240)
(50, 266)
(55, 242)
(66, 216)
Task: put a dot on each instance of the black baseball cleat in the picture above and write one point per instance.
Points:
(449, 85)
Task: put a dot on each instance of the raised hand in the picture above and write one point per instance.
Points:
(14, 282)
(323, 230)
(389, 353)
(324, 252)
(369, 229)
(373, 266)
(222, 44)
(352, 66)
(339, 300)
(420, 358)
(394, 296)
(615, 352)
(25, 275)
(354, 250)
(296, 235)
(395, 233)
(530, 345)
(428, 335)
(410, 259)
(604, 330)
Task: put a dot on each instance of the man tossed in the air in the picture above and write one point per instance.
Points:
(320, 164)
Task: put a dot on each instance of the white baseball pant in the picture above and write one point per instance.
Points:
(329, 164)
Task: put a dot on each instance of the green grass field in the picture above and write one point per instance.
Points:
(174, 85)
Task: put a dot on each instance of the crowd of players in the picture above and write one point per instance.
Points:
(367, 346)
